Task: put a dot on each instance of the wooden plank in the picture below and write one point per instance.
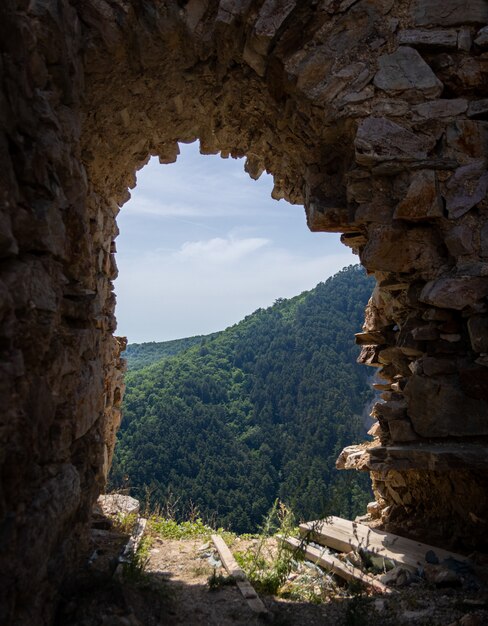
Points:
(134, 541)
(131, 546)
(343, 535)
(228, 559)
(247, 590)
(333, 564)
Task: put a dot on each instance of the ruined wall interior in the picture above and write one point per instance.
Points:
(373, 113)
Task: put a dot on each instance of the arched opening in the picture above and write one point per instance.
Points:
(198, 430)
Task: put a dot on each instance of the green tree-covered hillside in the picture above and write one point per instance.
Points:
(141, 355)
(258, 411)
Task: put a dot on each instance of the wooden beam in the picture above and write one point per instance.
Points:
(131, 546)
(247, 590)
(228, 559)
(333, 564)
(343, 535)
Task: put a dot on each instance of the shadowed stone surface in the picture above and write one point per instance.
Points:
(366, 112)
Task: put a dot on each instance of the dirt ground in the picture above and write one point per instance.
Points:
(174, 590)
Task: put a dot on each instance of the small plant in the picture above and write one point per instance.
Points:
(171, 529)
(168, 528)
(217, 581)
(124, 522)
(135, 568)
(267, 570)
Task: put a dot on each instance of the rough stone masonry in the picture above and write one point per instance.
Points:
(371, 113)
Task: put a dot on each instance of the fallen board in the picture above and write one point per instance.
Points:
(333, 564)
(132, 545)
(248, 592)
(343, 535)
(228, 559)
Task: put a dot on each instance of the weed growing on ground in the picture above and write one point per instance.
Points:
(123, 523)
(168, 528)
(134, 570)
(268, 569)
(217, 581)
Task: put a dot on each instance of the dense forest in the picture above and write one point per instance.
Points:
(258, 411)
(139, 355)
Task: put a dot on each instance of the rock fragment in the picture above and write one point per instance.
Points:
(406, 75)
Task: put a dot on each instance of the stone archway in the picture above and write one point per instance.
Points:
(370, 112)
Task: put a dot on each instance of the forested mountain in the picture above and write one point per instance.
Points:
(258, 411)
(141, 355)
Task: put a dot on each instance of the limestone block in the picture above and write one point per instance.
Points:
(435, 109)
(469, 73)
(482, 38)
(467, 187)
(369, 356)
(401, 431)
(354, 240)
(310, 68)
(450, 12)
(393, 249)
(359, 191)
(433, 366)
(379, 139)
(371, 337)
(230, 10)
(374, 509)
(405, 74)
(438, 407)
(429, 332)
(117, 504)
(328, 217)
(194, 12)
(441, 575)
(422, 200)
(396, 358)
(392, 410)
(460, 240)
(345, 78)
(429, 38)
(406, 341)
(478, 333)
(271, 16)
(390, 107)
(456, 292)
(465, 41)
(469, 138)
(478, 108)
(374, 212)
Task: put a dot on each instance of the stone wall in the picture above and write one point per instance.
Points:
(371, 113)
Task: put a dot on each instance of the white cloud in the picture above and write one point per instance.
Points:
(210, 188)
(220, 250)
(209, 285)
(145, 205)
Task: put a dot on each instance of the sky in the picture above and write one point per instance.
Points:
(202, 245)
